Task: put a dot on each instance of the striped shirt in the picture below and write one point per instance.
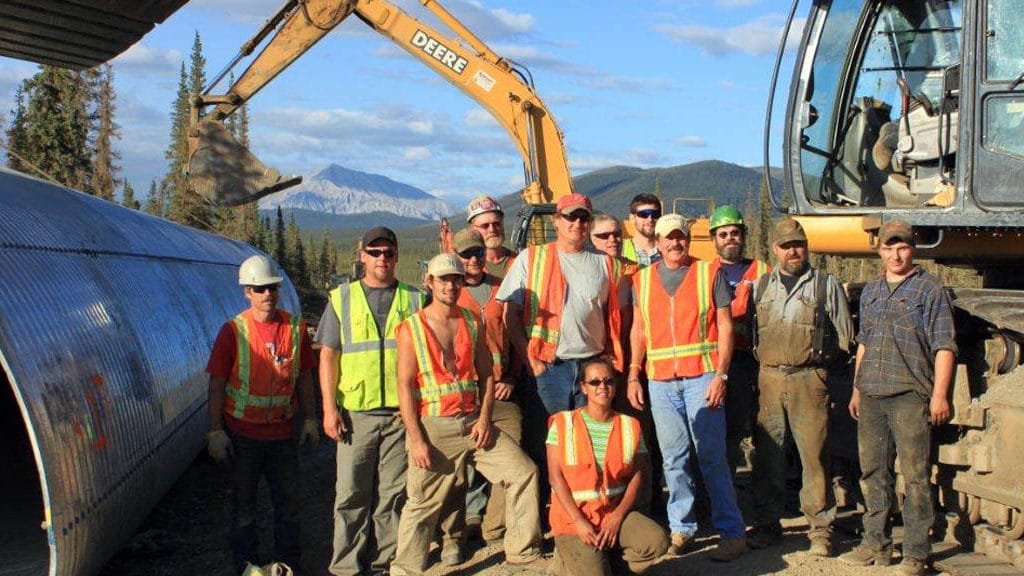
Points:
(901, 330)
(599, 433)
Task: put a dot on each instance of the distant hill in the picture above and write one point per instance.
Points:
(690, 187)
(356, 198)
(311, 220)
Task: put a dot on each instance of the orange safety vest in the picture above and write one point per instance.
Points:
(261, 389)
(545, 298)
(594, 495)
(741, 299)
(442, 393)
(493, 314)
(682, 331)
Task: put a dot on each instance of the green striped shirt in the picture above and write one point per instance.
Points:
(599, 433)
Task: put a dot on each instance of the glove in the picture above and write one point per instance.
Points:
(219, 446)
(310, 433)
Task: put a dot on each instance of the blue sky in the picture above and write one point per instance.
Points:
(651, 83)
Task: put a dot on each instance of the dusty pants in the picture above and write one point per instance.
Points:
(640, 544)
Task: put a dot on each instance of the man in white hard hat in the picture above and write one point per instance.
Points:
(260, 370)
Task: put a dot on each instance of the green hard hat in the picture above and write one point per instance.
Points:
(725, 216)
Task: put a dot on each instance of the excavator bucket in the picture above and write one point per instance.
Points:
(227, 173)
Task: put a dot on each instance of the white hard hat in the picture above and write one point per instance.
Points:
(258, 271)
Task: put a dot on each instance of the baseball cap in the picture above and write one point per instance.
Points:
(380, 233)
(789, 230)
(573, 202)
(482, 205)
(670, 222)
(468, 238)
(896, 230)
(445, 264)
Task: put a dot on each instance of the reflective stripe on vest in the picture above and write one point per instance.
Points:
(741, 302)
(704, 345)
(440, 392)
(538, 283)
(570, 445)
(368, 364)
(240, 394)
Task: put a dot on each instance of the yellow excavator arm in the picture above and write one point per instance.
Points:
(228, 174)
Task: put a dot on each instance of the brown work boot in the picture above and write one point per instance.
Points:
(451, 554)
(678, 544)
(864, 556)
(764, 535)
(730, 549)
(913, 567)
(821, 545)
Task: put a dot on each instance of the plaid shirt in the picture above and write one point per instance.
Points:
(901, 332)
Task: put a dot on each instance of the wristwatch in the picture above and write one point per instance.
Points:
(724, 377)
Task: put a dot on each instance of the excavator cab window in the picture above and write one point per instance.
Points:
(886, 132)
(1003, 130)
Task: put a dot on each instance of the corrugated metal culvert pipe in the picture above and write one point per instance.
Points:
(107, 316)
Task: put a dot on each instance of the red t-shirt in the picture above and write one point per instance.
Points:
(222, 363)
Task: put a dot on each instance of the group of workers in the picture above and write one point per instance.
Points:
(516, 383)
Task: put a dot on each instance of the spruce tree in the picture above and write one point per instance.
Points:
(280, 251)
(155, 200)
(324, 266)
(57, 125)
(16, 132)
(128, 196)
(105, 157)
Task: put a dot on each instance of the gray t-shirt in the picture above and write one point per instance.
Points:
(481, 292)
(582, 331)
(328, 332)
(672, 279)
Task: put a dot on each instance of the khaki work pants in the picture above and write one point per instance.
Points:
(431, 491)
(641, 543)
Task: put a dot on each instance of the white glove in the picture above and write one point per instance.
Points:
(310, 433)
(219, 445)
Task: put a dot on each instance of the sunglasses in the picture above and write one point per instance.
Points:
(378, 252)
(577, 216)
(595, 382)
(648, 213)
(607, 235)
(723, 234)
(264, 289)
(490, 225)
(477, 253)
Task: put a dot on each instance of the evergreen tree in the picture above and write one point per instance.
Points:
(105, 158)
(128, 196)
(57, 124)
(16, 132)
(325, 267)
(183, 204)
(155, 200)
(280, 251)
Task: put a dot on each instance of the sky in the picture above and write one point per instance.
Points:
(646, 83)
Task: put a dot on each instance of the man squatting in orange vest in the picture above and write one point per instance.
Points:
(597, 458)
(443, 361)
(682, 323)
(260, 362)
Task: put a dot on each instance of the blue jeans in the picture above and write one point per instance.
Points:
(278, 462)
(682, 418)
(557, 387)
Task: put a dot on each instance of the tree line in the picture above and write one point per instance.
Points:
(64, 128)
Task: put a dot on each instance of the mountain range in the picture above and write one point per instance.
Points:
(340, 198)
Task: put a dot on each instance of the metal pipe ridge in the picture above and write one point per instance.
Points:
(107, 316)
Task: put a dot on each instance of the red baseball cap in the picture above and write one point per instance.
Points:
(573, 202)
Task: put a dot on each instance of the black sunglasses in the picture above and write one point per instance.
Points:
(378, 252)
(471, 253)
(606, 235)
(577, 216)
(263, 289)
(648, 213)
(595, 382)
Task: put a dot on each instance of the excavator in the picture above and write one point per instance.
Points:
(913, 110)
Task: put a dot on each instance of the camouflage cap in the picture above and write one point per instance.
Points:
(788, 230)
(468, 238)
(896, 231)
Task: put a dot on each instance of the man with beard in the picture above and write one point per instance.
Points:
(682, 323)
(793, 387)
(484, 215)
(358, 385)
(446, 398)
(642, 248)
(729, 234)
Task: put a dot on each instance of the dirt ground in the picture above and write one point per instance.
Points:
(187, 533)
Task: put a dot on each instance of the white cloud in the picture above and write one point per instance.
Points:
(635, 157)
(691, 141)
(141, 59)
(417, 153)
(476, 118)
(759, 37)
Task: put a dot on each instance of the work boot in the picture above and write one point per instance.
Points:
(864, 556)
(764, 535)
(912, 567)
(821, 545)
(678, 544)
(730, 549)
(451, 554)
